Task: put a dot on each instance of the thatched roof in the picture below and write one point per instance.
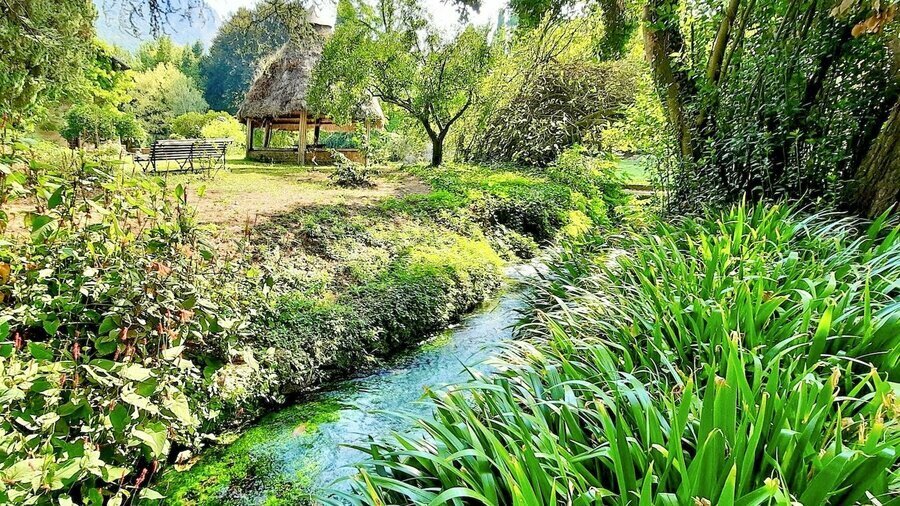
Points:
(281, 88)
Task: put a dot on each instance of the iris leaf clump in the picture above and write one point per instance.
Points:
(746, 358)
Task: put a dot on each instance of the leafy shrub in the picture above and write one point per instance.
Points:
(516, 244)
(591, 176)
(129, 130)
(399, 147)
(210, 125)
(97, 124)
(526, 202)
(745, 358)
(189, 124)
(561, 105)
(216, 125)
(108, 310)
(350, 174)
(226, 126)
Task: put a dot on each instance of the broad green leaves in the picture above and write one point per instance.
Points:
(100, 304)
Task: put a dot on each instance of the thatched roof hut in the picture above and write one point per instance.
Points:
(277, 99)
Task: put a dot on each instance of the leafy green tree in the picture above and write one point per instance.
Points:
(89, 122)
(129, 130)
(208, 125)
(548, 72)
(768, 99)
(619, 19)
(190, 61)
(581, 97)
(225, 126)
(165, 92)
(164, 50)
(242, 42)
(530, 13)
(94, 123)
(189, 125)
(393, 52)
(156, 51)
(107, 82)
(44, 45)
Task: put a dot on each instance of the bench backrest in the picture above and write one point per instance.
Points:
(183, 149)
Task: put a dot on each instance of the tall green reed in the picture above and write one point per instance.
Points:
(745, 358)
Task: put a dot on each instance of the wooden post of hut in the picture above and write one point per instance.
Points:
(268, 137)
(249, 137)
(301, 145)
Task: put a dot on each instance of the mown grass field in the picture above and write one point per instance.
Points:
(634, 170)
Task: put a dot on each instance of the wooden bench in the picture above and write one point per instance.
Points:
(209, 152)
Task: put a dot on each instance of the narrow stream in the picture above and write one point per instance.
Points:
(302, 448)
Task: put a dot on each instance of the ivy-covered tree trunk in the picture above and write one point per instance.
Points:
(878, 178)
(662, 38)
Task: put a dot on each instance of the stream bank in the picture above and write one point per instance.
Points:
(305, 449)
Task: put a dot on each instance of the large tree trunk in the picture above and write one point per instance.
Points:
(437, 151)
(878, 179)
(662, 38)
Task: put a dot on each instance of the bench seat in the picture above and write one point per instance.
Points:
(210, 152)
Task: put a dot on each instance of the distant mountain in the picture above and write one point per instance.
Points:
(191, 23)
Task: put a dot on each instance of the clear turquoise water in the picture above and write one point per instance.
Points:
(321, 459)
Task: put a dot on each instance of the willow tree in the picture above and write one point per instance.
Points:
(393, 51)
(768, 98)
(618, 16)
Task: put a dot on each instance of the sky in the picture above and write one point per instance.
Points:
(444, 14)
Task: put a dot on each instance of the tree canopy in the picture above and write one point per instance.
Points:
(393, 52)
(165, 93)
(45, 45)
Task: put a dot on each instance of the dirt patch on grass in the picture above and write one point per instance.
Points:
(249, 194)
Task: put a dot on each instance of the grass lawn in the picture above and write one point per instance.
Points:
(249, 192)
(635, 170)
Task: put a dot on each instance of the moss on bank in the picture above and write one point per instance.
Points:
(351, 285)
(228, 471)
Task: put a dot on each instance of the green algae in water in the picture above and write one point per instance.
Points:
(229, 475)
